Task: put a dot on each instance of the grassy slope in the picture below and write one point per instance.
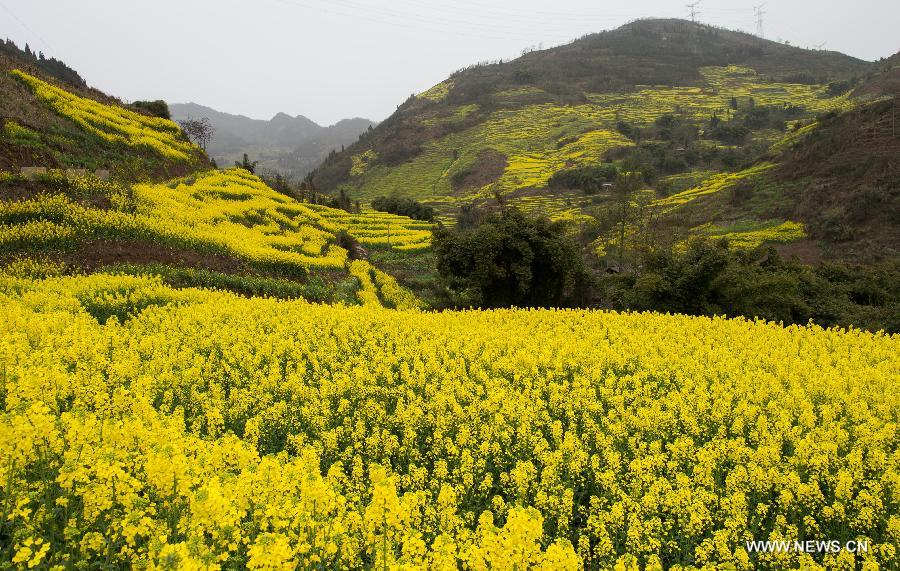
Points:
(33, 133)
(560, 108)
(219, 229)
(827, 190)
(209, 228)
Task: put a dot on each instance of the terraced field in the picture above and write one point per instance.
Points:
(230, 215)
(536, 141)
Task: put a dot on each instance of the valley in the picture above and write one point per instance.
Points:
(629, 302)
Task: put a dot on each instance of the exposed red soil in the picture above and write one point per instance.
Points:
(488, 167)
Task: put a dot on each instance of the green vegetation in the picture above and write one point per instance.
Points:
(157, 108)
(705, 116)
(748, 236)
(404, 207)
(506, 258)
(711, 144)
(114, 124)
(72, 127)
(314, 289)
(541, 140)
(590, 179)
(707, 277)
(21, 136)
(221, 230)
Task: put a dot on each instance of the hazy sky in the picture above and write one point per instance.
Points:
(329, 59)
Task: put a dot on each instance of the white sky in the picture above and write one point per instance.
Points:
(330, 59)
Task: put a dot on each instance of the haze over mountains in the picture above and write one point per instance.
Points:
(290, 145)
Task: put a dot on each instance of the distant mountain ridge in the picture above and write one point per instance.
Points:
(291, 145)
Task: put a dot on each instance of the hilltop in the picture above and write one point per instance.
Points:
(686, 105)
(289, 145)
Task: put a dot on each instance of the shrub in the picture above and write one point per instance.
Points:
(158, 108)
(508, 259)
(589, 179)
(709, 278)
(404, 207)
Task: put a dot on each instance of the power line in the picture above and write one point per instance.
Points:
(758, 10)
(503, 22)
(28, 29)
(692, 9)
(414, 21)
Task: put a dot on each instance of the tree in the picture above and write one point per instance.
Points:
(158, 108)
(246, 164)
(623, 190)
(506, 258)
(279, 182)
(200, 131)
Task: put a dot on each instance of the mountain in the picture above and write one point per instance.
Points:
(693, 108)
(290, 145)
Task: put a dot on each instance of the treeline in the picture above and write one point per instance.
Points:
(706, 277)
(404, 207)
(51, 66)
(503, 257)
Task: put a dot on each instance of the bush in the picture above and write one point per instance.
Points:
(404, 207)
(708, 278)
(508, 259)
(158, 108)
(589, 179)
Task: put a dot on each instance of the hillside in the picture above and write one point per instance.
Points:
(208, 228)
(54, 124)
(686, 105)
(51, 66)
(289, 145)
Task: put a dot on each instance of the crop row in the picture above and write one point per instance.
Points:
(113, 123)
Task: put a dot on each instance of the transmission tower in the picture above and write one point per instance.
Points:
(692, 8)
(758, 10)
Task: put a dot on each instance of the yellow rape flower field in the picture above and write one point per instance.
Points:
(212, 431)
(113, 123)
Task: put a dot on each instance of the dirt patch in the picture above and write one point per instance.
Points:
(13, 156)
(488, 167)
(96, 254)
(805, 251)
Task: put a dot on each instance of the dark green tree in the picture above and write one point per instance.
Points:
(246, 164)
(505, 258)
